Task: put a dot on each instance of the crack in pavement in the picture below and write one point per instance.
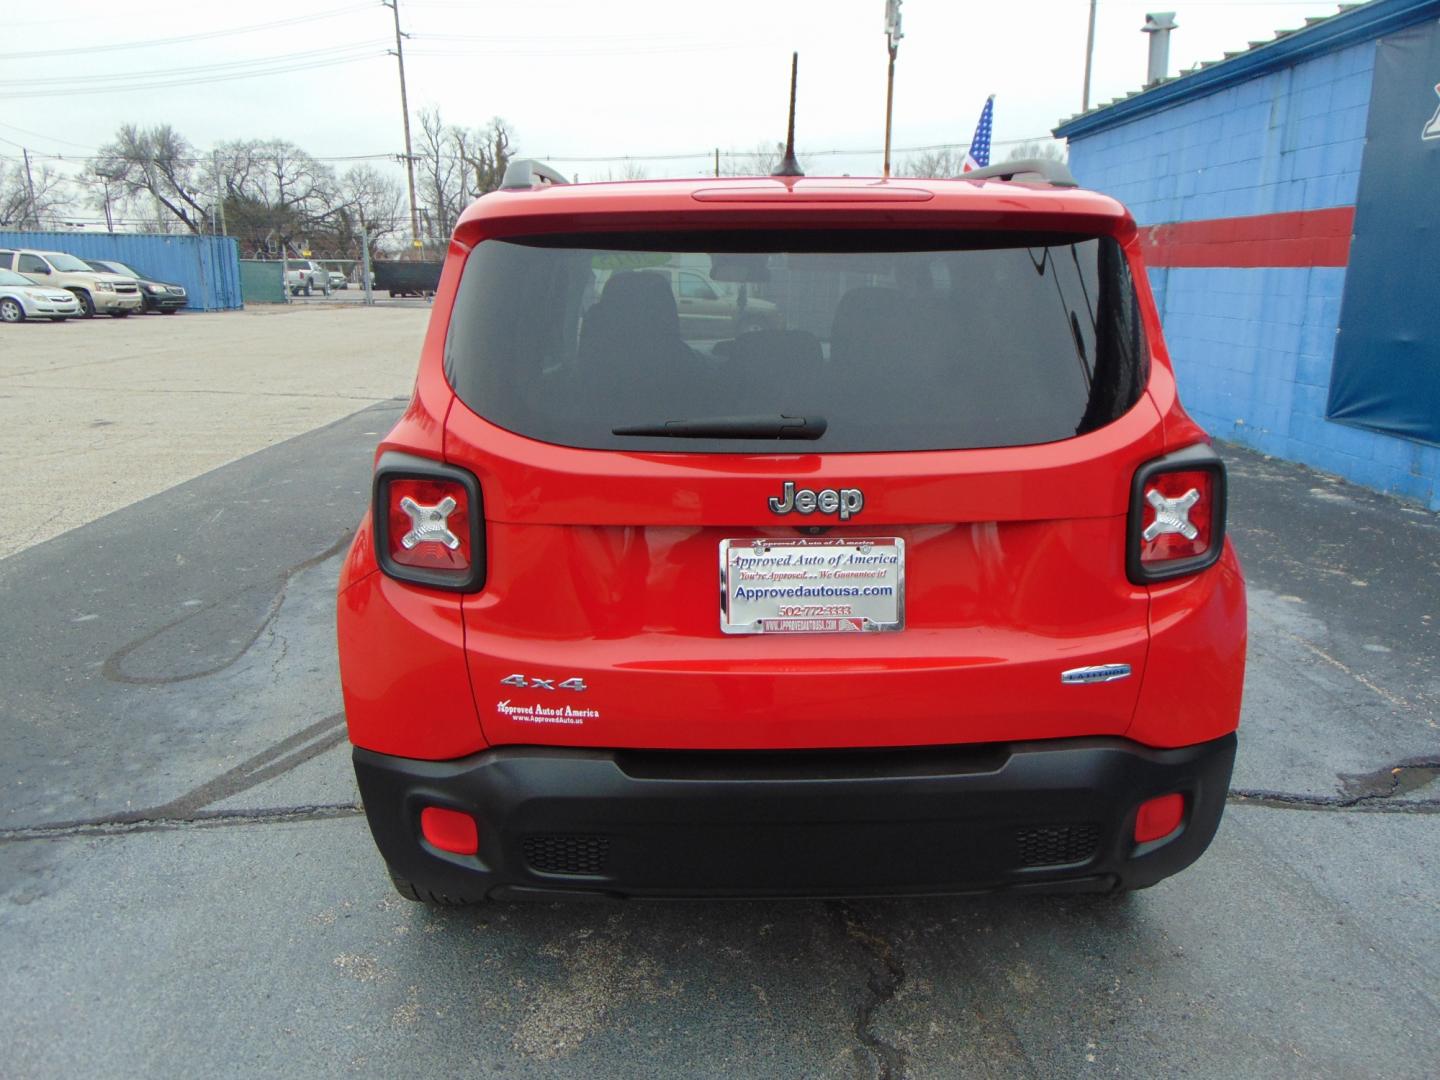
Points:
(1363, 804)
(188, 809)
(883, 984)
(122, 825)
(1372, 792)
(209, 391)
(114, 664)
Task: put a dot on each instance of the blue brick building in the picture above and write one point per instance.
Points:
(1262, 183)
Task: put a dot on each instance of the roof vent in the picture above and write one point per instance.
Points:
(1158, 25)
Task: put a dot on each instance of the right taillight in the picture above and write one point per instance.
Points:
(428, 523)
(1177, 515)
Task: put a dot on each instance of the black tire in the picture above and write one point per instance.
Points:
(168, 310)
(11, 311)
(410, 891)
(87, 306)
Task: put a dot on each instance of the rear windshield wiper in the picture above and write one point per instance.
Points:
(732, 427)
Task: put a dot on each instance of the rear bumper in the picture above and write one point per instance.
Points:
(1045, 816)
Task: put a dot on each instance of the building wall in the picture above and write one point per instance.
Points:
(1253, 345)
(208, 266)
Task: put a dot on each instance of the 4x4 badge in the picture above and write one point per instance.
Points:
(847, 502)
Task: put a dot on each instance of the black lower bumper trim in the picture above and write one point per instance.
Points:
(1055, 815)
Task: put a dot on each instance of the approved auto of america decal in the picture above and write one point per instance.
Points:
(545, 714)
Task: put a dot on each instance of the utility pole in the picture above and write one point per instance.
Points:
(109, 221)
(394, 6)
(717, 161)
(30, 190)
(219, 195)
(1089, 56)
(892, 44)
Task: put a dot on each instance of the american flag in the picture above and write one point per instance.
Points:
(979, 154)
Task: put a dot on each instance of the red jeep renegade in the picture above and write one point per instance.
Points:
(792, 537)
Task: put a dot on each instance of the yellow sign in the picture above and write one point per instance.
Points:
(305, 252)
(416, 244)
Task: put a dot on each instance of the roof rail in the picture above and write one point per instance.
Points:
(1028, 170)
(526, 173)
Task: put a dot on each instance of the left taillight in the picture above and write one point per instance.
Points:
(1177, 516)
(429, 525)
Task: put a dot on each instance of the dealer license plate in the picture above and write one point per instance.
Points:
(814, 585)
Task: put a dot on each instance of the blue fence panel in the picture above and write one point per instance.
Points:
(208, 266)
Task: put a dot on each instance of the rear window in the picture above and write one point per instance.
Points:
(899, 341)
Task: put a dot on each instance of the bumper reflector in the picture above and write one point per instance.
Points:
(1158, 817)
(450, 830)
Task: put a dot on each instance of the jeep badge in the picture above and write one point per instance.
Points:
(847, 502)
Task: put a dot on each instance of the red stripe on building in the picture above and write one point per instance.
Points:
(1299, 238)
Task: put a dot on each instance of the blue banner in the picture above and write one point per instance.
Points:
(1387, 360)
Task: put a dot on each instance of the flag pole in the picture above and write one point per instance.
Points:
(889, 107)
(892, 44)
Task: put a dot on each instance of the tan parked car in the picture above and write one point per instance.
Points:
(108, 294)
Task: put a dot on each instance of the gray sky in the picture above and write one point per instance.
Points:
(592, 79)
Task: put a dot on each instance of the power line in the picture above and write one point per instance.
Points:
(200, 79)
(206, 35)
(638, 50)
(832, 152)
(181, 72)
(52, 138)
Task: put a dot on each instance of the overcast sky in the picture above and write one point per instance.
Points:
(587, 80)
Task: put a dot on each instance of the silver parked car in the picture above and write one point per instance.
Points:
(24, 298)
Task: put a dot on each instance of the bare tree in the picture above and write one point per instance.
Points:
(934, 164)
(629, 170)
(375, 201)
(159, 165)
(441, 182)
(761, 161)
(457, 165)
(28, 200)
(485, 151)
(276, 195)
(1036, 149)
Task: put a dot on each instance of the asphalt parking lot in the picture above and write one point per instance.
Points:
(186, 885)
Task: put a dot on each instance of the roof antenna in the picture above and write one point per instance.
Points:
(788, 165)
